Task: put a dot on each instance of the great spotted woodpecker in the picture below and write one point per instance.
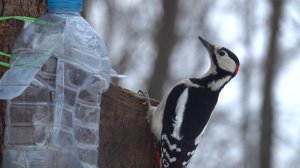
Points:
(180, 119)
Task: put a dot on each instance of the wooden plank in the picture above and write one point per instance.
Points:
(125, 138)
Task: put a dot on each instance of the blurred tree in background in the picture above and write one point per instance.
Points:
(270, 70)
(154, 43)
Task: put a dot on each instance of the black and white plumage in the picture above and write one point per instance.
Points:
(183, 114)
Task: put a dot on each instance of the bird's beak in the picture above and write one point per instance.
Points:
(207, 45)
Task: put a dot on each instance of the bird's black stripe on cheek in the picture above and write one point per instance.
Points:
(214, 58)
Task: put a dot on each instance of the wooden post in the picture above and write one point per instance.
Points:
(125, 138)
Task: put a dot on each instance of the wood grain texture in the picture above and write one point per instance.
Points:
(11, 28)
(125, 138)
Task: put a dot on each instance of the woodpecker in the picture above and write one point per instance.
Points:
(180, 119)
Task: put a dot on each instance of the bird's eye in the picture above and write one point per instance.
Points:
(222, 53)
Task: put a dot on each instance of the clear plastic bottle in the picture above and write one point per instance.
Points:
(54, 89)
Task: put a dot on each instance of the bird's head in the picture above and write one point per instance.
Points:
(223, 60)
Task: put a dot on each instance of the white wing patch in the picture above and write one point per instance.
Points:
(171, 146)
(156, 114)
(189, 83)
(184, 163)
(171, 159)
(191, 153)
(179, 111)
(216, 85)
(197, 140)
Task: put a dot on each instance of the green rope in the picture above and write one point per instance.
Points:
(48, 52)
(4, 64)
(5, 54)
(25, 18)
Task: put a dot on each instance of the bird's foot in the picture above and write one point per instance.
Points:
(146, 97)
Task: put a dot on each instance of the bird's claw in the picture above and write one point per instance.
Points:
(146, 96)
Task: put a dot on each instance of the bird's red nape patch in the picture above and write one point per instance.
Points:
(236, 69)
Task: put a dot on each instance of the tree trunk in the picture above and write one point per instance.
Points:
(10, 29)
(8, 33)
(267, 110)
(165, 40)
(125, 138)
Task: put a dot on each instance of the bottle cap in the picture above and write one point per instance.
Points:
(65, 5)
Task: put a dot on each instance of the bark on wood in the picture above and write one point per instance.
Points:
(125, 138)
(8, 33)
